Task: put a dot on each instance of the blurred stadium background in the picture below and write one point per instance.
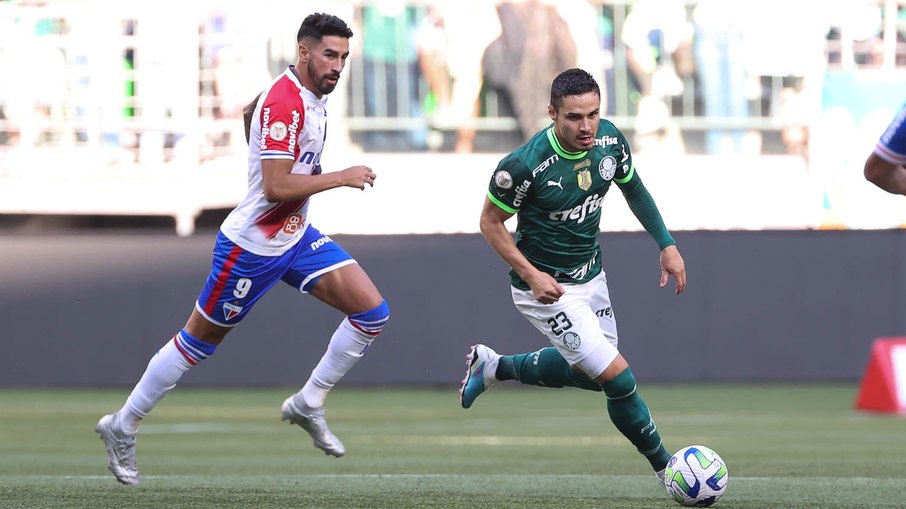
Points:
(107, 97)
(121, 150)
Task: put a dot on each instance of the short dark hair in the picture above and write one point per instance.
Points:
(572, 82)
(319, 24)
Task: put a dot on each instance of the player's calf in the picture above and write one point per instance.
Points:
(631, 416)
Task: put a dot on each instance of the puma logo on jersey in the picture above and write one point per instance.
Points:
(558, 183)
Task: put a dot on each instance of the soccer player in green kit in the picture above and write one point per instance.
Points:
(555, 184)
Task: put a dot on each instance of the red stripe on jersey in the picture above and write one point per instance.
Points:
(183, 352)
(272, 220)
(282, 105)
(222, 279)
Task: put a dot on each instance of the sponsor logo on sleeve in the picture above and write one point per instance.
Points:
(503, 179)
(278, 131)
(293, 129)
(607, 168)
(521, 192)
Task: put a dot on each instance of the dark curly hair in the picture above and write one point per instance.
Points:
(319, 24)
(572, 82)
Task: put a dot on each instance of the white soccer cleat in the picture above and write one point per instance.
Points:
(482, 362)
(662, 481)
(312, 421)
(120, 452)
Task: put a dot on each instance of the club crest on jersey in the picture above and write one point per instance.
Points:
(503, 179)
(278, 131)
(572, 341)
(230, 310)
(607, 168)
(584, 177)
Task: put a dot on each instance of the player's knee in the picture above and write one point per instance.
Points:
(373, 321)
(620, 386)
(597, 359)
(193, 349)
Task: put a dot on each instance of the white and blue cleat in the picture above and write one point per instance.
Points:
(482, 362)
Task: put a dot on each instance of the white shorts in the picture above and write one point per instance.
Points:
(581, 325)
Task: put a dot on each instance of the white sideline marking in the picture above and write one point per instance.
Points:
(483, 440)
(188, 427)
(483, 477)
(495, 440)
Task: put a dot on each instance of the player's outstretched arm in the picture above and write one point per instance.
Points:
(886, 175)
(282, 185)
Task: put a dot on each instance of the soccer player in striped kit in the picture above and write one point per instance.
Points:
(267, 238)
(886, 165)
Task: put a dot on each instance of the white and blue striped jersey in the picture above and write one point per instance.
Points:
(289, 122)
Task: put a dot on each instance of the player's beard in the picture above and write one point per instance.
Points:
(324, 86)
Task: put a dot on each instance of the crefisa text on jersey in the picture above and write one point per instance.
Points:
(579, 212)
(605, 141)
(520, 192)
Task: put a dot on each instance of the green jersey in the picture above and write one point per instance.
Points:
(557, 197)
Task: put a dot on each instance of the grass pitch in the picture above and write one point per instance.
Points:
(786, 447)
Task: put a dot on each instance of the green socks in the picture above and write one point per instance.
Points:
(546, 368)
(631, 416)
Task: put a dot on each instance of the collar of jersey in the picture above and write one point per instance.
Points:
(555, 144)
(294, 75)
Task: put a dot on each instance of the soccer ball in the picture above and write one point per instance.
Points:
(696, 476)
